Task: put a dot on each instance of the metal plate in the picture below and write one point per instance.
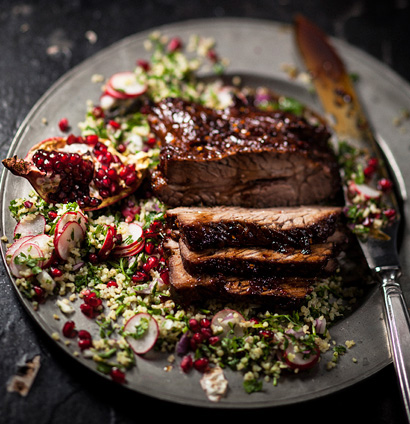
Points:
(258, 49)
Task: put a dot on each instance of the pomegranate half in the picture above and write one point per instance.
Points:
(87, 170)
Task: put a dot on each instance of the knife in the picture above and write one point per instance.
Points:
(340, 101)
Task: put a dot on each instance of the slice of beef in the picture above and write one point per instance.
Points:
(279, 292)
(233, 226)
(254, 261)
(240, 156)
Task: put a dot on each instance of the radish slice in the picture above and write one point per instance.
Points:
(25, 251)
(134, 241)
(226, 320)
(69, 238)
(46, 245)
(300, 360)
(109, 91)
(127, 84)
(364, 190)
(10, 251)
(141, 344)
(30, 225)
(107, 101)
(71, 216)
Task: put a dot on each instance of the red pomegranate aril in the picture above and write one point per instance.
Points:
(112, 283)
(151, 141)
(55, 272)
(93, 258)
(114, 124)
(149, 248)
(369, 171)
(152, 262)
(165, 277)
(206, 333)
(112, 174)
(174, 45)
(28, 204)
(390, 213)
(385, 184)
(64, 125)
(104, 193)
(193, 324)
(84, 334)
(130, 179)
(71, 139)
(87, 310)
(139, 277)
(117, 375)
(186, 363)
(213, 340)
(98, 112)
(373, 162)
(201, 364)
(205, 323)
(121, 148)
(84, 343)
(69, 330)
(143, 64)
(39, 293)
(198, 338)
(91, 139)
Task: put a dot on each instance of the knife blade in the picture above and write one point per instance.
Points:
(340, 101)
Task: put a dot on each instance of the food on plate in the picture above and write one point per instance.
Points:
(240, 156)
(206, 224)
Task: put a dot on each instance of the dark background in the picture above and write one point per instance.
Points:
(63, 391)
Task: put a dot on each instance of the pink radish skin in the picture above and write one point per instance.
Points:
(226, 320)
(46, 245)
(364, 190)
(30, 227)
(298, 360)
(69, 238)
(135, 231)
(109, 243)
(126, 84)
(148, 340)
(71, 216)
(16, 244)
(28, 249)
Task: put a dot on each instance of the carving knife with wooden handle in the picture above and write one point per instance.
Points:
(341, 104)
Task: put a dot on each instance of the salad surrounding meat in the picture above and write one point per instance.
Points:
(167, 223)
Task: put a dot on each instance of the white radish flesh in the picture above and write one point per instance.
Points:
(30, 225)
(364, 190)
(46, 245)
(68, 239)
(227, 320)
(134, 241)
(300, 360)
(71, 216)
(25, 251)
(144, 343)
(16, 244)
(126, 83)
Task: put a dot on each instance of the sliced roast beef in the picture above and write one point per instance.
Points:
(240, 156)
(279, 292)
(253, 261)
(232, 226)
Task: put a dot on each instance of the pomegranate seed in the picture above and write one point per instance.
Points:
(114, 124)
(28, 204)
(254, 321)
(91, 139)
(84, 334)
(55, 272)
(112, 174)
(165, 277)
(71, 139)
(112, 283)
(369, 171)
(267, 334)
(205, 323)
(152, 262)
(151, 141)
(92, 300)
(139, 277)
(373, 162)
(93, 258)
(389, 213)
(186, 363)
(198, 338)
(212, 56)
(84, 343)
(87, 310)
(143, 64)
(206, 333)
(174, 45)
(39, 293)
(121, 148)
(149, 248)
(130, 179)
(69, 330)
(201, 364)
(98, 112)
(213, 340)
(385, 184)
(64, 125)
(193, 324)
(117, 375)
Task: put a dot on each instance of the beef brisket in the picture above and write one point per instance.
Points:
(277, 228)
(240, 156)
(274, 291)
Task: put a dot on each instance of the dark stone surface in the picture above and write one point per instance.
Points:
(63, 391)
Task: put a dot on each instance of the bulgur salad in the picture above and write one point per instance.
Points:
(110, 261)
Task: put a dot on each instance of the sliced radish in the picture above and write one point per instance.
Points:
(300, 360)
(133, 241)
(226, 320)
(141, 344)
(30, 225)
(45, 243)
(71, 216)
(107, 101)
(127, 84)
(25, 251)
(109, 91)
(364, 190)
(109, 243)
(16, 244)
(69, 238)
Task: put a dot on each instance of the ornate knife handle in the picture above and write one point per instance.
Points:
(398, 322)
